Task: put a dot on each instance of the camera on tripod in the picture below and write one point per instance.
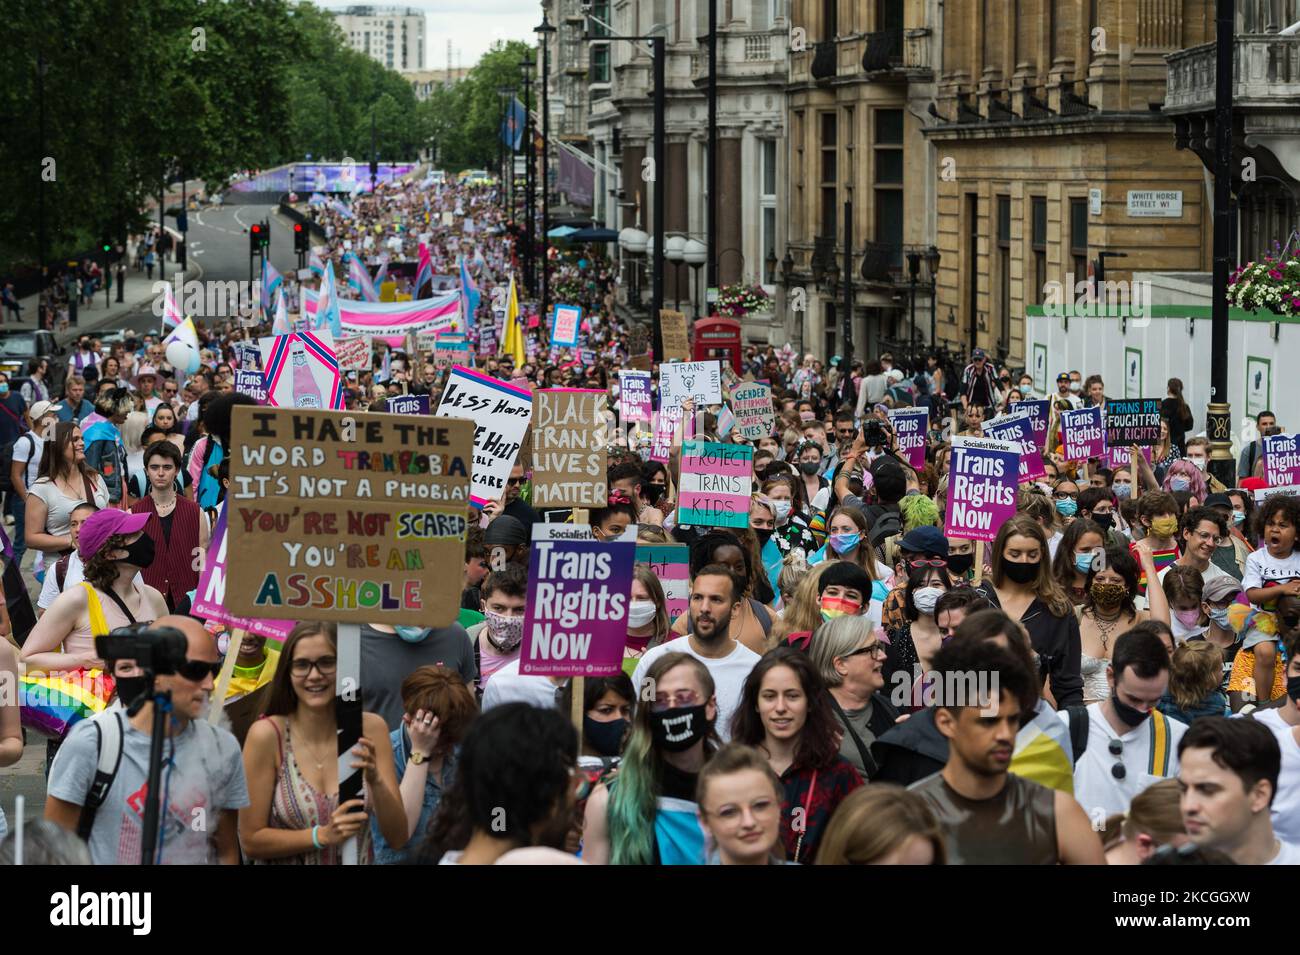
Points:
(154, 649)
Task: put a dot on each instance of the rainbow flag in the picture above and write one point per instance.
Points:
(53, 704)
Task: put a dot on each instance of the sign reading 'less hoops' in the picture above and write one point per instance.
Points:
(502, 413)
(346, 516)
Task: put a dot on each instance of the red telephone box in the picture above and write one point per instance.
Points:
(717, 337)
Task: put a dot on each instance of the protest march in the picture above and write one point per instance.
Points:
(378, 567)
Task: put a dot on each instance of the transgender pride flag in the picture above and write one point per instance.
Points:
(425, 273)
(359, 278)
(316, 264)
(272, 280)
(390, 322)
(469, 292)
(328, 313)
(171, 314)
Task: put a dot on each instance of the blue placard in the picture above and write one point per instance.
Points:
(566, 323)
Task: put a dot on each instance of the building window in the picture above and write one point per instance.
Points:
(828, 312)
(830, 19)
(972, 264)
(767, 203)
(888, 183)
(830, 155)
(1004, 270)
(600, 63)
(1038, 242)
(1079, 238)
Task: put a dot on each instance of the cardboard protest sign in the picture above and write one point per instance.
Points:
(1040, 416)
(1131, 421)
(353, 353)
(1019, 429)
(635, 403)
(566, 321)
(210, 595)
(677, 342)
(910, 426)
(501, 413)
(1083, 433)
(715, 484)
(671, 564)
(700, 381)
(1282, 459)
(408, 404)
(302, 370)
(751, 403)
(351, 517)
(251, 383)
(983, 475)
(568, 448)
(575, 623)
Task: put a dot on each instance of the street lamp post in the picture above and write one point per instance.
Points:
(787, 279)
(913, 270)
(675, 252)
(544, 31)
(696, 255)
(848, 285)
(932, 260)
(530, 206)
(711, 173)
(1219, 413)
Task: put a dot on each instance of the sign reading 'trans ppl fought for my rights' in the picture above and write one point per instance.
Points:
(501, 414)
(346, 516)
(983, 476)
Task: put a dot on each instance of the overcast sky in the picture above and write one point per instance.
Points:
(471, 25)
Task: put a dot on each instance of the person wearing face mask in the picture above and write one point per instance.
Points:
(390, 653)
(758, 540)
(1080, 545)
(1107, 611)
(1098, 505)
(647, 616)
(646, 814)
(1198, 453)
(1240, 520)
(912, 646)
(1217, 599)
(1158, 515)
(1182, 475)
(1126, 744)
(496, 641)
(1021, 585)
(1283, 721)
(808, 459)
(792, 527)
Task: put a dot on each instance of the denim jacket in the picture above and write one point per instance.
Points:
(433, 790)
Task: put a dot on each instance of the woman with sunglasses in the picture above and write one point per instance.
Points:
(914, 643)
(291, 763)
(786, 712)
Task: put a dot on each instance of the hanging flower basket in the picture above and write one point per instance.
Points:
(738, 300)
(1271, 284)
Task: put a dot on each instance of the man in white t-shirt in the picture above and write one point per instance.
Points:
(25, 467)
(1284, 721)
(1200, 531)
(1229, 777)
(715, 598)
(1130, 744)
(510, 686)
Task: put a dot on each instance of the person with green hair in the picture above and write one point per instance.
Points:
(646, 815)
(918, 511)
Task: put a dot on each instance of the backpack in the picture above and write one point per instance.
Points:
(1078, 715)
(7, 461)
(61, 570)
(109, 734)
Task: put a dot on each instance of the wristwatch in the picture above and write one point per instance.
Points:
(417, 757)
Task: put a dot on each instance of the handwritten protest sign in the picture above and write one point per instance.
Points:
(697, 380)
(1019, 429)
(671, 564)
(1040, 416)
(635, 402)
(983, 475)
(909, 427)
(715, 484)
(210, 595)
(568, 448)
(751, 403)
(501, 413)
(408, 404)
(575, 623)
(566, 321)
(251, 383)
(677, 342)
(1083, 433)
(450, 350)
(1131, 421)
(353, 353)
(347, 516)
(1282, 459)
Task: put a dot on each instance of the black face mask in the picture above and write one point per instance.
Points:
(961, 563)
(763, 534)
(1020, 572)
(810, 467)
(1104, 521)
(1293, 688)
(604, 738)
(140, 552)
(131, 688)
(1128, 715)
(677, 730)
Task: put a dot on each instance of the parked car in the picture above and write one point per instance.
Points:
(19, 346)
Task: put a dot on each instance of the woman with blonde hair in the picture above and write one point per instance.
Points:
(1194, 679)
(883, 824)
(1154, 819)
(739, 799)
(647, 622)
(802, 613)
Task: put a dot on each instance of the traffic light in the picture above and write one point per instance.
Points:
(265, 235)
(106, 245)
(300, 240)
(255, 238)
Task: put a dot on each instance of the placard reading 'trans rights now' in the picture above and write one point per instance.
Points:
(347, 516)
(983, 475)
